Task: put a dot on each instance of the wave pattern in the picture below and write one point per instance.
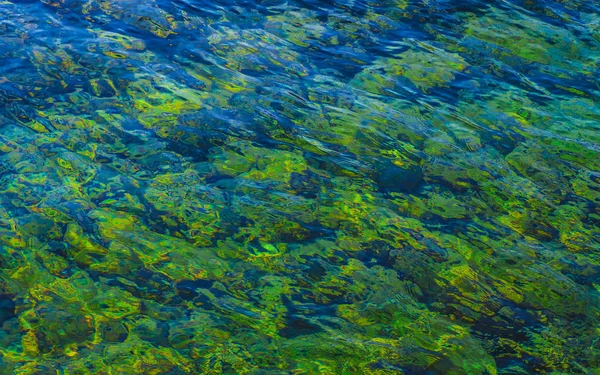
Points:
(299, 187)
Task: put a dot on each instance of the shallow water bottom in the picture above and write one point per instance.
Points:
(301, 187)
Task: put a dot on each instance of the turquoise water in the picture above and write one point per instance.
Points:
(299, 187)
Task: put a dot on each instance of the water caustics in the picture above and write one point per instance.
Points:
(299, 187)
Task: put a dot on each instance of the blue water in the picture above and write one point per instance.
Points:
(299, 187)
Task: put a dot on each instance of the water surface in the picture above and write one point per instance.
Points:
(299, 187)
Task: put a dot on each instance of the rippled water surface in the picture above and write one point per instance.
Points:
(299, 187)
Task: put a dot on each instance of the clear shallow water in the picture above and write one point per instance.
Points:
(301, 187)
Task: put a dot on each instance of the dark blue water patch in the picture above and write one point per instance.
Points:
(197, 8)
(553, 83)
(554, 12)
(19, 69)
(298, 326)
(447, 93)
(378, 253)
(7, 308)
(513, 323)
(193, 51)
(581, 274)
(195, 145)
(391, 178)
(347, 61)
(508, 361)
(191, 290)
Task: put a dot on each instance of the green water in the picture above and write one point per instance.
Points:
(300, 187)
